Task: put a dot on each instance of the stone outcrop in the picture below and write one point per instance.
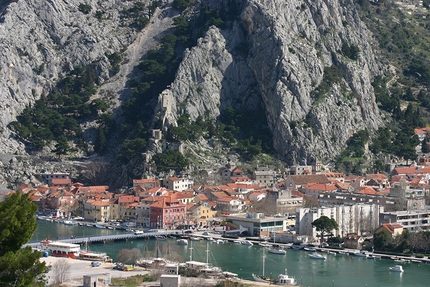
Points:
(275, 54)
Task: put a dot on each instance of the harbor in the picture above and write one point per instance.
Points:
(336, 270)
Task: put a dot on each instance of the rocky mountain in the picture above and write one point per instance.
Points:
(290, 59)
(275, 55)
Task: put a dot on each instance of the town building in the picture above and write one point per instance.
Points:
(412, 220)
(179, 184)
(167, 212)
(360, 219)
(263, 176)
(258, 224)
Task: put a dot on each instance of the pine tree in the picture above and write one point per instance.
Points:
(19, 266)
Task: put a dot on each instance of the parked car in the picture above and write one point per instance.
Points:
(95, 264)
(119, 266)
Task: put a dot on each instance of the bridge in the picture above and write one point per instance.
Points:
(105, 238)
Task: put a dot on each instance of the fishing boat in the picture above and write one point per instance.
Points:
(93, 256)
(283, 279)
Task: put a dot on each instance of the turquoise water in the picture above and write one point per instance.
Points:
(339, 270)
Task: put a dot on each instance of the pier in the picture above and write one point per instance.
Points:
(106, 238)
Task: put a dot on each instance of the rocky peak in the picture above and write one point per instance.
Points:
(288, 45)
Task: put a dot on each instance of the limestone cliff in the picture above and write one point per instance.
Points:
(272, 55)
(287, 45)
(43, 39)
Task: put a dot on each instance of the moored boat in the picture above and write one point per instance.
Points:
(247, 242)
(316, 255)
(279, 251)
(93, 256)
(60, 249)
(283, 279)
(182, 241)
(397, 268)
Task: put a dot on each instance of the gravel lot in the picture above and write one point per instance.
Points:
(79, 268)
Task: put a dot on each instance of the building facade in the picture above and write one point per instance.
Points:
(360, 219)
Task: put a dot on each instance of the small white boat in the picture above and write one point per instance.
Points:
(316, 255)
(219, 241)
(138, 232)
(373, 256)
(247, 242)
(100, 226)
(264, 244)
(182, 241)
(402, 260)
(416, 261)
(360, 254)
(397, 268)
(69, 222)
(310, 249)
(279, 251)
(296, 247)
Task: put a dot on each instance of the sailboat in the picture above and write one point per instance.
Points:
(283, 279)
(93, 256)
(276, 249)
(202, 267)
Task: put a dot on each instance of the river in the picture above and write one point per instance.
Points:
(339, 270)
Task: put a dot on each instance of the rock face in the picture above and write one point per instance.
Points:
(272, 56)
(275, 54)
(43, 39)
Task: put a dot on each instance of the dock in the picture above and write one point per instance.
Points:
(107, 238)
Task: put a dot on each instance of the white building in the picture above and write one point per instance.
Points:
(180, 184)
(359, 218)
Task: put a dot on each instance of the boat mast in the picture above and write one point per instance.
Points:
(207, 253)
(191, 251)
(264, 260)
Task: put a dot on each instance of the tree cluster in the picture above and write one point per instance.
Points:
(55, 118)
(407, 242)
